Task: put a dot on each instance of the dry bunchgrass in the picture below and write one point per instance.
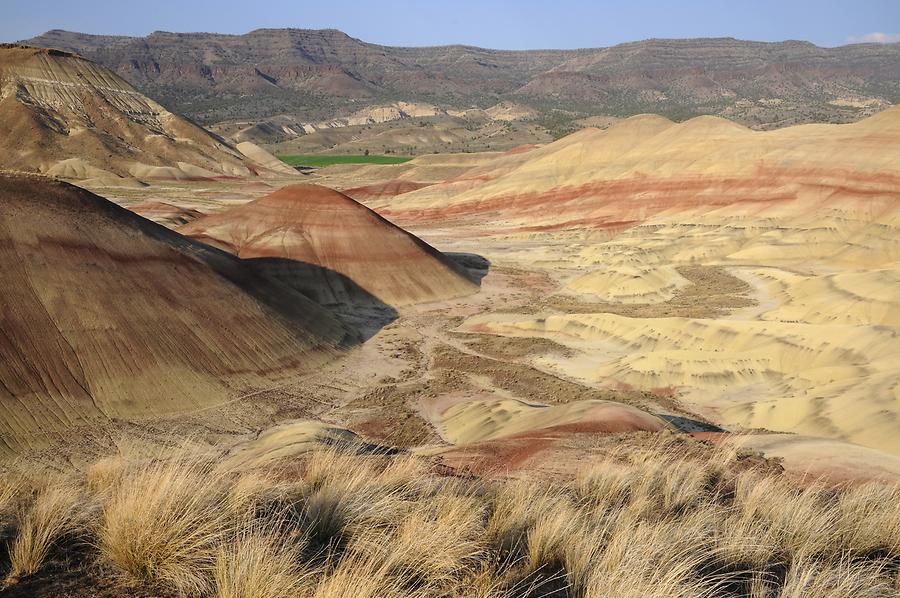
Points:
(648, 523)
(359, 576)
(349, 495)
(431, 545)
(10, 487)
(555, 528)
(516, 506)
(808, 577)
(651, 558)
(42, 522)
(162, 523)
(102, 476)
(261, 560)
(868, 518)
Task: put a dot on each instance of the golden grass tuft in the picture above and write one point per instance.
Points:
(809, 578)
(163, 522)
(430, 546)
(10, 487)
(869, 519)
(51, 515)
(260, 561)
(359, 576)
(102, 476)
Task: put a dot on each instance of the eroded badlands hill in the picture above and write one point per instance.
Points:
(647, 164)
(106, 315)
(753, 275)
(63, 115)
(358, 248)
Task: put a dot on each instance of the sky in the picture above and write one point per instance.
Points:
(507, 24)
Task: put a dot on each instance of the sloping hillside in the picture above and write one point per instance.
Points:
(313, 72)
(106, 315)
(794, 234)
(76, 119)
(316, 225)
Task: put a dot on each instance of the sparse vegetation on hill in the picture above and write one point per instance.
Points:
(670, 520)
(271, 72)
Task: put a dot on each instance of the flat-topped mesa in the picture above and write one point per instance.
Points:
(73, 118)
(106, 315)
(764, 84)
(316, 225)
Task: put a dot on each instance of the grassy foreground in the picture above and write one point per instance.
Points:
(634, 525)
(320, 160)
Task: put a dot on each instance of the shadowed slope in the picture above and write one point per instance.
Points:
(108, 315)
(316, 225)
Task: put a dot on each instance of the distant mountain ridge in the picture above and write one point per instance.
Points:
(215, 77)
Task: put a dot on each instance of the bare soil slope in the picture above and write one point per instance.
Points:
(76, 119)
(316, 225)
(649, 220)
(108, 315)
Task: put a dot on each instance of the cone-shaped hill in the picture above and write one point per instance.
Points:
(361, 252)
(106, 315)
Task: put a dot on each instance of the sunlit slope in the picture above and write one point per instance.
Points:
(838, 381)
(356, 247)
(364, 182)
(73, 118)
(647, 165)
(108, 315)
(477, 421)
(807, 217)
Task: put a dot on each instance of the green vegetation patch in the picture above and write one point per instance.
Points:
(330, 159)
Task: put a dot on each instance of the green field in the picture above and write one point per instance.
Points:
(329, 159)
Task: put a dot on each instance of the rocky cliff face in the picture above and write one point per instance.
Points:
(309, 73)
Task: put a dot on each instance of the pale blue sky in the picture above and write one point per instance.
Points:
(497, 24)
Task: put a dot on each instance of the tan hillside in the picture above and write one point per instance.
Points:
(594, 178)
(654, 217)
(76, 119)
(108, 315)
(261, 157)
(316, 225)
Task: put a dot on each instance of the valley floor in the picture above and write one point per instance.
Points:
(517, 377)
